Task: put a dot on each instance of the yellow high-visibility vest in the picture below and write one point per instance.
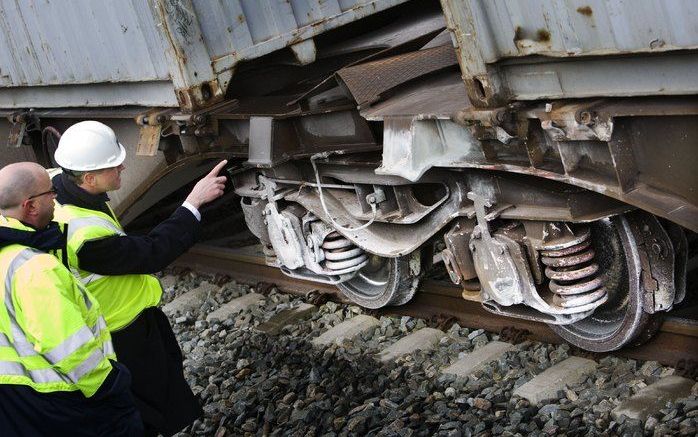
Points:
(52, 333)
(122, 297)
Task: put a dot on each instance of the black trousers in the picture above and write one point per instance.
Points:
(109, 412)
(150, 350)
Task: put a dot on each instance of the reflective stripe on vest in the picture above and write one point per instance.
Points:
(121, 297)
(81, 222)
(69, 345)
(86, 366)
(39, 375)
(24, 348)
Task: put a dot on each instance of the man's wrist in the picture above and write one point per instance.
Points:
(193, 201)
(194, 210)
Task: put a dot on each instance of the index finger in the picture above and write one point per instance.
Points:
(217, 168)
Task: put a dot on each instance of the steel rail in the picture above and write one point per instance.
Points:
(675, 342)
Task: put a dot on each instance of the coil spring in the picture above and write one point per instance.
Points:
(572, 273)
(341, 254)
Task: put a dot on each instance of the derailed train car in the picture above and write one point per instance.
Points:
(544, 152)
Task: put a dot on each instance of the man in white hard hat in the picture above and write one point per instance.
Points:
(117, 268)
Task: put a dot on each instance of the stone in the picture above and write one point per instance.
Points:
(547, 384)
(653, 398)
(168, 281)
(274, 325)
(475, 333)
(477, 359)
(549, 410)
(424, 339)
(348, 329)
(690, 405)
(482, 404)
(571, 395)
(190, 300)
(235, 306)
(649, 368)
(356, 424)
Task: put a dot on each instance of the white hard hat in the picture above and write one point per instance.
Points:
(89, 145)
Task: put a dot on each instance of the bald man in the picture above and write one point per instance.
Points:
(58, 374)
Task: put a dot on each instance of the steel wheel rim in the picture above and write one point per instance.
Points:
(372, 280)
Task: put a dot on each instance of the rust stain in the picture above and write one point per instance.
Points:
(585, 10)
(543, 35)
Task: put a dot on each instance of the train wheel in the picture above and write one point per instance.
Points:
(621, 320)
(382, 282)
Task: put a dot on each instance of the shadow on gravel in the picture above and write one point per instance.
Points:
(285, 386)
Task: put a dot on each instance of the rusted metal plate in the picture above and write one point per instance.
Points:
(148, 140)
(368, 81)
(441, 96)
(17, 130)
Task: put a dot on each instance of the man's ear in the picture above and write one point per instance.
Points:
(29, 207)
(88, 178)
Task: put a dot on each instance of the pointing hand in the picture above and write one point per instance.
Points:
(209, 188)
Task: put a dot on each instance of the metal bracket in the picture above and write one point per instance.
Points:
(281, 230)
(20, 124)
(498, 272)
(576, 123)
(151, 124)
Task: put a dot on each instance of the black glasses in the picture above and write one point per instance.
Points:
(51, 191)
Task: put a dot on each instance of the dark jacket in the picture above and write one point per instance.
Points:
(24, 411)
(123, 255)
(147, 346)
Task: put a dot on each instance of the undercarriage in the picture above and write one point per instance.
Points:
(597, 271)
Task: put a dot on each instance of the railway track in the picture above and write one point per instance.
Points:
(675, 344)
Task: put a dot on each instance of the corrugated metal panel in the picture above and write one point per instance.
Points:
(153, 93)
(583, 27)
(236, 30)
(78, 41)
(552, 42)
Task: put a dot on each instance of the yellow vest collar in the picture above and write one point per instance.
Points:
(13, 223)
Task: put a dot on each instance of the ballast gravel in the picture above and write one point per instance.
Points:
(253, 384)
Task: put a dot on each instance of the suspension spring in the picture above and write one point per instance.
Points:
(341, 255)
(572, 272)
